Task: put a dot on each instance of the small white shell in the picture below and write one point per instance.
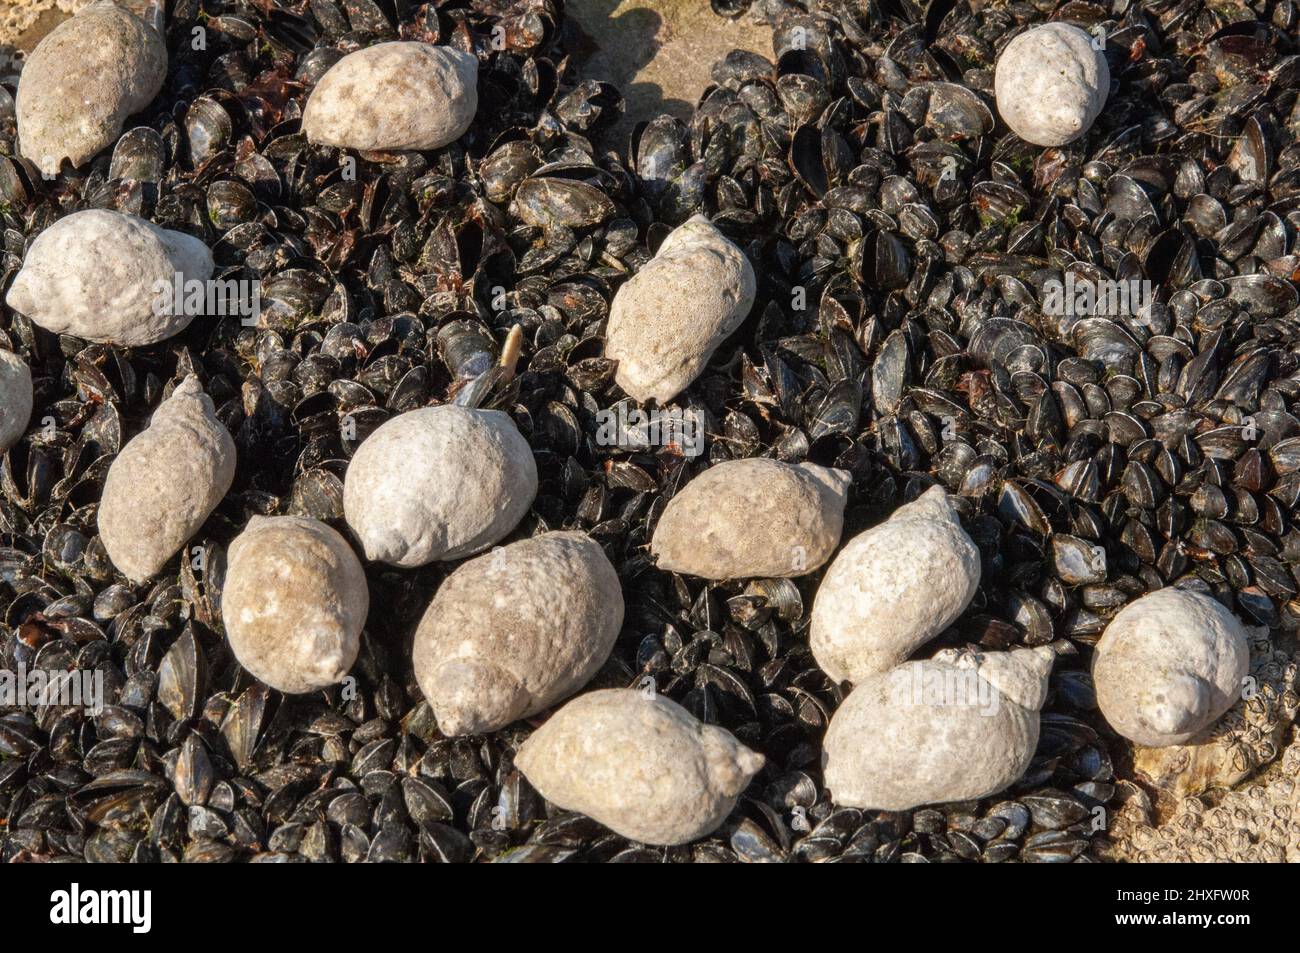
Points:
(438, 483)
(669, 318)
(742, 519)
(640, 764)
(294, 603)
(83, 80)
(394, 96)
(15, 398)
(516, 630)
(893, 588)
(1168, 665)
(176, 471)
(960, 726)
(1051, 84)
(95, 274)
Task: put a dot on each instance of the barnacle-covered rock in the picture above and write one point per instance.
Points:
(166, 482)
(83, 80)
(109, 277)
(294, 603)
(640, 764)
(1168, 665)
(516, 630)
(394, 96)
(756, 517)
(1051, 84)
(438, 483)
(1259, 823)
(1249, 736)
(669, 318)
(957, 727)
(15, 398)
(893, 588)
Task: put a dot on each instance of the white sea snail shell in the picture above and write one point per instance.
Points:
(892, 588)
(1168, 665)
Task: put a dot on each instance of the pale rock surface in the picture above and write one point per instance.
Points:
(960, 726)
(1051, 84)
(742, 519)
(893, 588)
(15, 398)
(1168, 665)
(438, 483)
(394, 96)
(516, 630)
(640, 764)
(294, 603)
(669, 318)
(166, 481)
(97, 274)
(83, 80)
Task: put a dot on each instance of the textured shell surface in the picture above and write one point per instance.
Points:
(1168, 665)
(937, 730)
(1051, 84)
(514, 631)
(892, 588)
(438, 483)
(294, 603)
(669, 318)
(394, 96)
(753, 518)
(83, 80)
(108, 277)
(166, 481)
(640, 764)
(15, 398)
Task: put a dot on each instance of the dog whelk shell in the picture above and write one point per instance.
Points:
(893, 588)
(394, 96)
(669, 318)
(83, 80)
(516, 630)
(15, 398)
(753, 518)
(957, 727)
(1051, 83)
(438, 483)
(1168, 665)
(166, 481)
(640, 764)
(108, 277)
(294, 603)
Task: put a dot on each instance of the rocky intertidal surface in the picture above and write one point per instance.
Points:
(896, 459)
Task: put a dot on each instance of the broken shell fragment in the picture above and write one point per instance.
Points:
(109, 277)
(1051, 83)
(893, 588)
(15, 398)
(438, 483)
(669, 318)
(640, 764)
(294, 603)
(83, 80)
(961, 726)
(1168, 665)
(394, 96)
(751, 518)
(165, 483)
(516, 630)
